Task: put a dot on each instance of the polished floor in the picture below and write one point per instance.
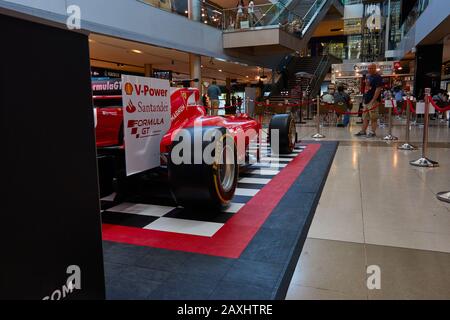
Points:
(378, 210)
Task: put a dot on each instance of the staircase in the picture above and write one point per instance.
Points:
(318, 67)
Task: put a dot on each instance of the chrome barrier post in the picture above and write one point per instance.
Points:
(389, 136)
(424, 161)
(318, 135)
(407, 146)
(444, 196)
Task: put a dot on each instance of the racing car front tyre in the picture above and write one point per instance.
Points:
(287, 132)
(205, 185)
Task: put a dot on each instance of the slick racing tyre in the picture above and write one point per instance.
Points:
(287, 132)
(199, 181)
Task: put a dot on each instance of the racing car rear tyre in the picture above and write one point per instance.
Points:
(287, 132)
(203, 185)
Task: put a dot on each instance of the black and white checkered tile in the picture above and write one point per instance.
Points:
(156, 216)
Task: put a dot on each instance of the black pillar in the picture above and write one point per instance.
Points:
(428, 69)
(49, 202)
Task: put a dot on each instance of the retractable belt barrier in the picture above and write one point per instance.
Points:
(407, 145)
(424, 161)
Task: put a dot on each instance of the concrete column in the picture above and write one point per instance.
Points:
(148, 70)
(195, 70)
(228, 94)
(194, 10)
(195, 13)
(428, 69)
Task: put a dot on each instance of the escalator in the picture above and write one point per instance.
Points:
(283, 26)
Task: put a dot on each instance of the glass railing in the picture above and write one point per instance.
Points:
(210, 14)
(264, 15)
(414, 14)
(312, 13)
(241, 18)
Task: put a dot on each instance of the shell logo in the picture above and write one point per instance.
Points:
(128, 88)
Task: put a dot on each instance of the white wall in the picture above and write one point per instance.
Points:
(131, 20)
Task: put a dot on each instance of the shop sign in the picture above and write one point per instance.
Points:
(386, 68)
(146, 118)
(352, 26)
(106, 87)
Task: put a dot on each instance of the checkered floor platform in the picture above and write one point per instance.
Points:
(158, 216)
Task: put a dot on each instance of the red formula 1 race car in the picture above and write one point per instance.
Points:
(192, 183)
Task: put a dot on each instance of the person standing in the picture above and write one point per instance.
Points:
(251, 13)
(214, 94)
(233, 107)
(239, 13)
(374, 86)
(342, 97)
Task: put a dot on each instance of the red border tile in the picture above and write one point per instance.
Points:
(232, 239)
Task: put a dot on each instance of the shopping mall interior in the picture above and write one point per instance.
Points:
(339, 191)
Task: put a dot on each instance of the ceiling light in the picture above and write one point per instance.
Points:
(186, 12)
(246, 76)
(205, 21)
(136, 51)
(220, 70)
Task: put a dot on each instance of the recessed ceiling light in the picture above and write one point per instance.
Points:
(136, 51)
(246, 76)
(220, 70)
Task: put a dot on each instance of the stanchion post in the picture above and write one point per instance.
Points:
(444, 196)
(407, 145)
(318, 135)
(424, 161)
(389, 136)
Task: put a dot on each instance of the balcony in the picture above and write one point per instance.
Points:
(273, 28)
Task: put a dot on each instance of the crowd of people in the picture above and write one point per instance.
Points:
(211, 100)
(375, 92)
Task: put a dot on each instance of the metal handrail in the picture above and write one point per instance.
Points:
(316, 12)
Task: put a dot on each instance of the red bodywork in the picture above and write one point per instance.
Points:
(185, 112)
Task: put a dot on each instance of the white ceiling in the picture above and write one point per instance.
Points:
(109, 52)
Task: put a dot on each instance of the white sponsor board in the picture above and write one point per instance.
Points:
(420, 108)
(146, 116)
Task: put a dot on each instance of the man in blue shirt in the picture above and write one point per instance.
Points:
(214, 94)
(374, 86)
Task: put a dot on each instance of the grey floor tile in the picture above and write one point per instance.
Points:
(227, 290)
(297, 292)
(124, 253)
(165, 260)
(185, 287)
(332, 265)
(123, 289)
(409, 273)
(210, 267)
(271, 245)
(250, 272)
